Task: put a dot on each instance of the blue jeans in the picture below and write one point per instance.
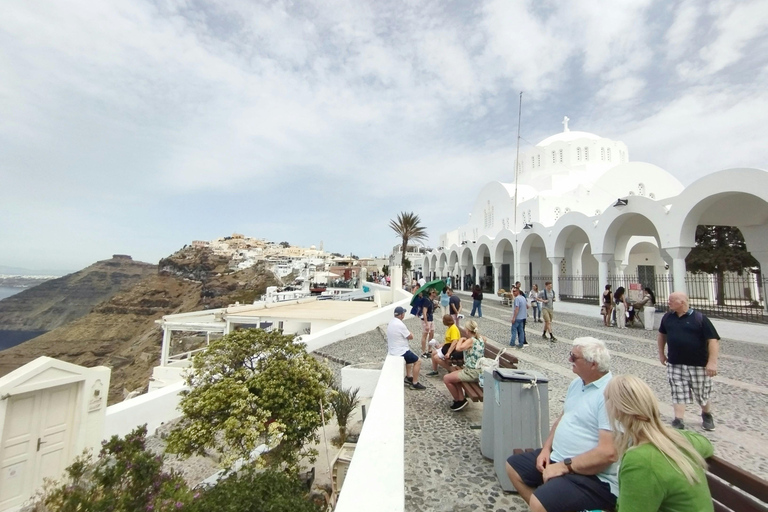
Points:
(517, 332)
(476, 306)
(536, 312)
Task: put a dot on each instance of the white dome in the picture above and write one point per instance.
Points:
(567, 137)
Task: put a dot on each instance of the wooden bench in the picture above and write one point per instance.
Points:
(472, 390)
(735, 490)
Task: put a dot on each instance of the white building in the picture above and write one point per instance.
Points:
(567, 224)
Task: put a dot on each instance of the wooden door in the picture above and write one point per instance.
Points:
(36, 441)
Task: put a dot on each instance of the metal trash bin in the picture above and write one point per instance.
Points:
(489, 410)
(520, 400)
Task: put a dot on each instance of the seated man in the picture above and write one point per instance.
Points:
(438, 356)
(576, 468)
(398, 336)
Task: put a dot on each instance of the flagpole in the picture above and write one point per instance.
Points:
(517, 171)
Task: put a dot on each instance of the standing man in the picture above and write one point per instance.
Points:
(454, 304)
(576, 468)
(398, 336)
(547, 300)
(691, 360)
(518, 318)
(427, 320)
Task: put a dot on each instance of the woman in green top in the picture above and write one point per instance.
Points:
(661, 468)
(473, 347)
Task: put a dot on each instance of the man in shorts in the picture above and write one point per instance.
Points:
(427, 319)
(576, 468)
(691, 359)
(398, 336)
(454, 304)
(547, 300)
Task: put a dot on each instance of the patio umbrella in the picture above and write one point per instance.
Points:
(437, 284)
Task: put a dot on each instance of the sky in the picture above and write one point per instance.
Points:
(135, 127)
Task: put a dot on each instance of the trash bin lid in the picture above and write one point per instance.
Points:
(511, 374)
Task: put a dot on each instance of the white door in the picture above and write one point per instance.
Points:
(36, 440)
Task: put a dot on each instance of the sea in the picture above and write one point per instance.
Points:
(7, 292)
(10, 339)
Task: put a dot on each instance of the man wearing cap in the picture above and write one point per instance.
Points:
(398, 336)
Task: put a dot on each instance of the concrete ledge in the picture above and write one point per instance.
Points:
(154, 409)
(377, 471)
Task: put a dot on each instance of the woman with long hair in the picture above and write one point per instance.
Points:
(661, 468)
(648, 306)
(473, 347)
(621, 307)
(533, 299)
(607, 306)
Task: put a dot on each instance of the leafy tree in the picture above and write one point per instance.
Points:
(408, 227)
(385, 270)
(253, 387)
(126, 477)
(249, 491)
(285, 245)
(719, 249)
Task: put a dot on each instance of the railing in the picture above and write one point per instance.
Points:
(730, 295)
(527, 283)
(585, 289)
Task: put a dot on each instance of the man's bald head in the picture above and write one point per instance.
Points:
(678, 302)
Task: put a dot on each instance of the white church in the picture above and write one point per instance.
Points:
(582, 215)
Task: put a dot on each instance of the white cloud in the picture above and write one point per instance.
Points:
(160, 122)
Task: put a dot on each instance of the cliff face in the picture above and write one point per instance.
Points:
(121, 332)
(60, 301)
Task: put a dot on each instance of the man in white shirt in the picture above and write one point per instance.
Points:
(398, 336)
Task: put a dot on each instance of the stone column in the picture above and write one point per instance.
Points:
(395, 280)
(166, 350)
(462, 270)
(478, 273)
(496, 277)
(603, 260)
(678, 255)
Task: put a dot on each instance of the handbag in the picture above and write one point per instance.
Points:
(602, 310)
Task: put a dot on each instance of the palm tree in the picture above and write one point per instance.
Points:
(408, 227)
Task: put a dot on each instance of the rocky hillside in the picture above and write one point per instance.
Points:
(121, 332)
(60, 301)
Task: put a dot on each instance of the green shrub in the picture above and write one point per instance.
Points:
(125, 477)
(249, 491)
(344, 402)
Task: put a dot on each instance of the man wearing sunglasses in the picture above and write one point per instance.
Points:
(576, 468)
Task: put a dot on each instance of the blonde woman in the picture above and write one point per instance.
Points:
(473, 347)
(661, 468)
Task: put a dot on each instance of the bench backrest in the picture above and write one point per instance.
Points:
(735, 490)
(507, 360)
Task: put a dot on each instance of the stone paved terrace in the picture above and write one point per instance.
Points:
(444, 470)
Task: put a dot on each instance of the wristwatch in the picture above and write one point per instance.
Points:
(568, 461)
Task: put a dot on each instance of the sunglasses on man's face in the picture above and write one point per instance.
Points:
(573, 357)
